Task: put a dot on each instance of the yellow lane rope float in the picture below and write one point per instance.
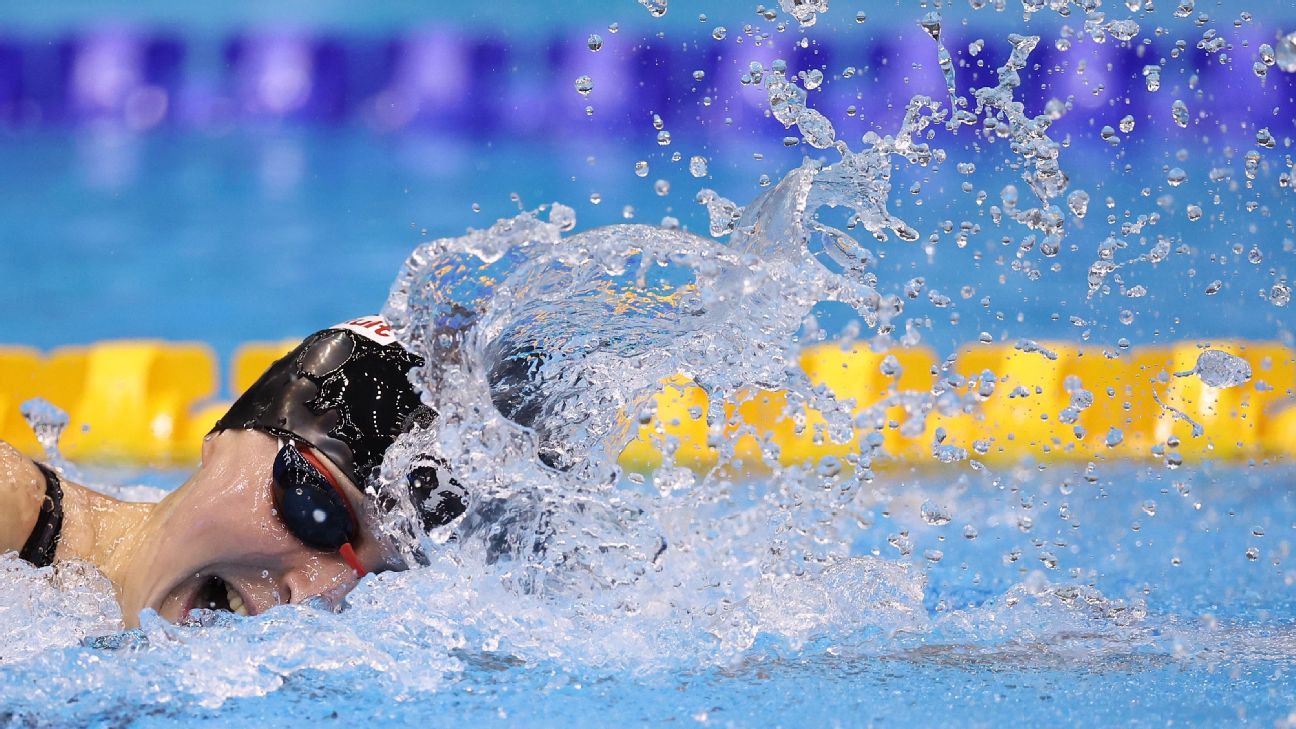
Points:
(151, 402)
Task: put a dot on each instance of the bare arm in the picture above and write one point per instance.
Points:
(22, 489)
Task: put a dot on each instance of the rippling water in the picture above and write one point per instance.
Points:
(849, 591)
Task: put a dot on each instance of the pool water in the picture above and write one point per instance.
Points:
(1130, 593)
(1154, 613)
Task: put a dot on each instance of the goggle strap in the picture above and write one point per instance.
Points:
(346, 503)
(349, 556)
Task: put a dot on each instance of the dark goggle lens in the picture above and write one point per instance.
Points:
(308, 504)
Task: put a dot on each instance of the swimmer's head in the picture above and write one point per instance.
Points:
(346, 392)
(283, 507)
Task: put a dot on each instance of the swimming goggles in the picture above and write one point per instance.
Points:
(312, 505)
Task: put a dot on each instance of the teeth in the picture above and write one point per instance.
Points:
(235, 602)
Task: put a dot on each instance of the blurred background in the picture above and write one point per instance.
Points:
(248, 170)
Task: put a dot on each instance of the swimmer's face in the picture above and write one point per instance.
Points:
(217, 541)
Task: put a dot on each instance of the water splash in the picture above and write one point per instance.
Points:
(806, 12)
(47, 421)
(1220, 369)
(656, 8)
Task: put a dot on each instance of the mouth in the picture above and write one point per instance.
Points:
(216, 594)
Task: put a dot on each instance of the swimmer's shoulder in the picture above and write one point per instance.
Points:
(22, 490)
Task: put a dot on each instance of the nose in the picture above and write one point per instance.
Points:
(323, 576)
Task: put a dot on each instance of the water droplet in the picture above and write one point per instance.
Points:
(1218, 368)
(662, 188)
(1280, 294)
(829, 467)
(901, 542)
(1114, 437)
(47, 422)
(931, 22)
(594, 42)
(1285, 53)
(933, 555)
(1213, 287)
(641, 168)
(1194, 212)
(1253, 553)
(719, 32)
(1184, 9)
(698, 166)
(1123, 30)
(595, 198)
(584, 85)
(1149, 507)
(663, 138)
(656, 8)
(1127, 124)
(969, 532)
(934, 514)
(1176, 176)
(1078, 202)
(815, 128)
(1179, 112)
(1152, 77)
(563, 217)
(1257, 531)
(860, 17)
(806, 12)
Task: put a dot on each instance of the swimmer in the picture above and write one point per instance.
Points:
(280, 508)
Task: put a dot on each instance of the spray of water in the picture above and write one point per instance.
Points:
(544, 348)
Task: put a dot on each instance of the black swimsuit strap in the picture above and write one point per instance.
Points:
(44, 539)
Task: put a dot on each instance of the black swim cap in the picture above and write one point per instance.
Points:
(346, 391)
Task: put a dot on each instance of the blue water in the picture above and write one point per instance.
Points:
(1116, 633)
(1145, 596)
(267, 235)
